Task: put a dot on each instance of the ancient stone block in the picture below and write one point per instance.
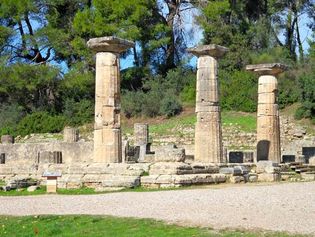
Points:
(7, 139)
(170, 154)
(121, 181)
(170, 168)
(262, 165)
(70, 134)
(264, 177)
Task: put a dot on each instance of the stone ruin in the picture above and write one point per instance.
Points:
(113, 162)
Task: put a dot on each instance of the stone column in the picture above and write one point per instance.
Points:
(268, 125)
(107, 132)
(208, 133)
(70, 134)
(141, 134)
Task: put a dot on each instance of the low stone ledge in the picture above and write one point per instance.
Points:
(121, 181)
(169, 154)
(265, 177)
(159, 181)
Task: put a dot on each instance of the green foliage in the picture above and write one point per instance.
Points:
(78, 113)
(238, 91)
(84, 225)
(170, 106)
(40, 122)
(159, 96)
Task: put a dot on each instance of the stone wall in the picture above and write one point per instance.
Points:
(33, 153)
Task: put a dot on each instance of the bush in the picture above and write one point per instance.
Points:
(78, 113)
(170, 106)
(40, 122)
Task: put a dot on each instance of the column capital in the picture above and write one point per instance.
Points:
(213, 50)
(267, 69)
(109, 44)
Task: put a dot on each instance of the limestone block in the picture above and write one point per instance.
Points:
(263, 164)
(170, 154)
(271, 87)
(209, 95)
(236, 179)
(308, 176)
(121, 181)
(230, 170)
(77, 168)
(264, 177)
(6, 170)
(89, 178)
(204, 106)
(252, 178)
(70, 134)
(170, 168)
(202, 168)
(32, 188)
(141, 134)
(206, 118)
(311, 161)
(212, 50)
(267, 110)
(267, 98)
(272, 170)
(7, 139)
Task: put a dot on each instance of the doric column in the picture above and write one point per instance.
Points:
(208, 133)
(268, 125)
(107, 133)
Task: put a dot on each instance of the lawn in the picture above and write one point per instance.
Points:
(107, 226)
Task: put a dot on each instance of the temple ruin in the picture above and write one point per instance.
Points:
(110, 162)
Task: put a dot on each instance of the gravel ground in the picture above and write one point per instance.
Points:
(286, 207)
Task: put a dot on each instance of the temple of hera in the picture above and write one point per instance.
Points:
(111, 162)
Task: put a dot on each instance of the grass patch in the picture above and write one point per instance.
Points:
(245, 121)
(108, 226)
(23, 192)
(77, 191)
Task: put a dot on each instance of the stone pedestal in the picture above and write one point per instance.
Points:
(268, 124)
(208, 133)
(7, 139)
(70, 134)
(141, 134)
(107, 132)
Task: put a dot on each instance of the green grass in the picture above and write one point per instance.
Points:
(108, 226)
(246, 122)
(23, 192)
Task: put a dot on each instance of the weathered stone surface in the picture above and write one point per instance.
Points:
(70, 134)
(107, 133)
(170, 154)
(264, 177)
(7, 139)
(308, 176)
(311, 161)
(263, 164)
(109, 44)
(208, 132)
(32, 188)
(252, 178)
(236, 179)
(212, 50)
(267, 69)
(181, 180)
(121, 181)
(230, 170)
(170, 168)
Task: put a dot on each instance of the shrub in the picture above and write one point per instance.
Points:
(40, 122)
(170, 106)
(78, 113)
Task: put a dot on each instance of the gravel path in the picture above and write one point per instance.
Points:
(282, 207)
